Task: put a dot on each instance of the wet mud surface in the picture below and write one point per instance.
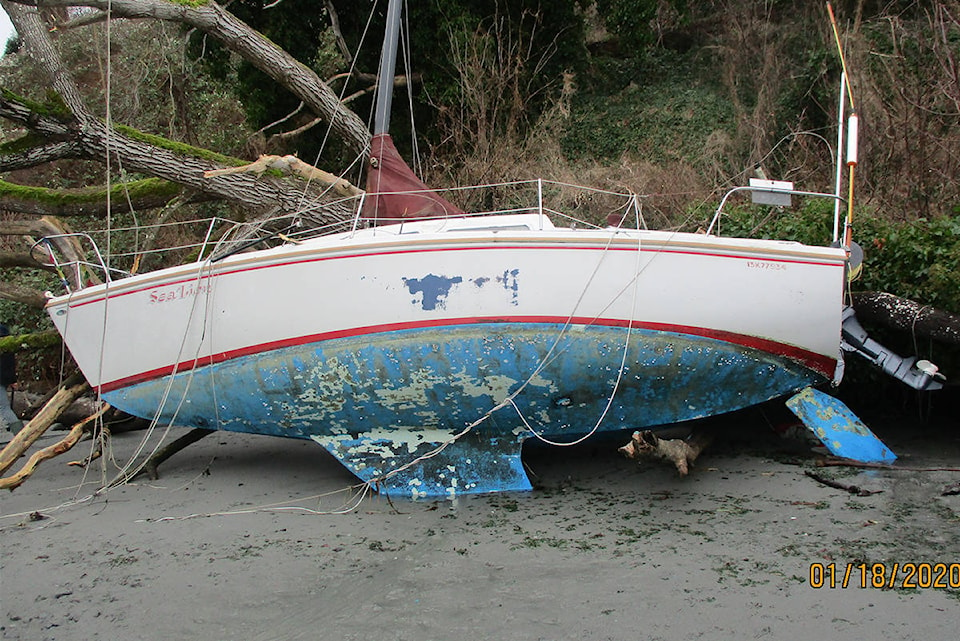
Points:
(229, 544)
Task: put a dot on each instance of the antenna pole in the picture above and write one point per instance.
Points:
(853, 126)
(843, 60)
(839, 177)
(852, 132)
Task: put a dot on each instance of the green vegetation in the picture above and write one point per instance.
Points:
(662, 123)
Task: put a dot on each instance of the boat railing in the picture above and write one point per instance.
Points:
(79, 262)
(565, 204)
(774, 193)
(65, 254)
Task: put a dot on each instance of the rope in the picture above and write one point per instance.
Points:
(125, 474)
(623, 359)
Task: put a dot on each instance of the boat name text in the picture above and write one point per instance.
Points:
(186, 290)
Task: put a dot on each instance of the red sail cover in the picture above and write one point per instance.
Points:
(394, 192)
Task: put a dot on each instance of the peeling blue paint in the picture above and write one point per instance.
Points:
(434, 289)
(511, 282)
(367, 396)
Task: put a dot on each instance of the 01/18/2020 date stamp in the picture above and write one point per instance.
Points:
(888, 576)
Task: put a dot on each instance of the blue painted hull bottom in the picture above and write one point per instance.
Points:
(381, 403)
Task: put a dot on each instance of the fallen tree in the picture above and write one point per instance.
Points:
(903, 314)
(62, 127)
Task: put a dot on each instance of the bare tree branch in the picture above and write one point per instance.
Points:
(34, 35)
(42, 153)
(214, 20)
(338, 34)
(18, 259)
(94, 17)
(27, 296)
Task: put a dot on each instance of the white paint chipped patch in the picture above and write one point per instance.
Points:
(539, 381)
(412, 437)
(428, 417)
(386, 443)
(497, 387)
(411, 395)
(380, 450)
(322, 391)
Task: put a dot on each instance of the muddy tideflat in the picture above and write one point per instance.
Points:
(228, 544)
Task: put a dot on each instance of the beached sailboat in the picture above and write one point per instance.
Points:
(421, 345)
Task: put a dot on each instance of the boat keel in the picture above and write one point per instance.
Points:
(838, 428)
(422, 463)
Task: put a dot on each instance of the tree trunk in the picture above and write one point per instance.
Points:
(903, 314)
(90, 138)
(150, 193)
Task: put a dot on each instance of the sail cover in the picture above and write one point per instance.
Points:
(394, 192)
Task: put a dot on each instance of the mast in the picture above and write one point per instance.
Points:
(388, 65)
(394, 192)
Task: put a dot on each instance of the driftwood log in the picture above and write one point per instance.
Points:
(69, 391)
(887, 310)
(681, 452)
(26, 405)
(853, 489)
(14, 481)
(150, 466)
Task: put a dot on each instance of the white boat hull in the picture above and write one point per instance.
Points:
(384, 343)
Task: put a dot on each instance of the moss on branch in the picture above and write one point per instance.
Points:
(22, 144)
(137, 189)
(29, 341)
(55, 107)
(180, 148)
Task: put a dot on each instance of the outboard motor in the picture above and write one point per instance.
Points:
(918, 374)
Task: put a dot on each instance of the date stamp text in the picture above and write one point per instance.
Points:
(888, 576)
